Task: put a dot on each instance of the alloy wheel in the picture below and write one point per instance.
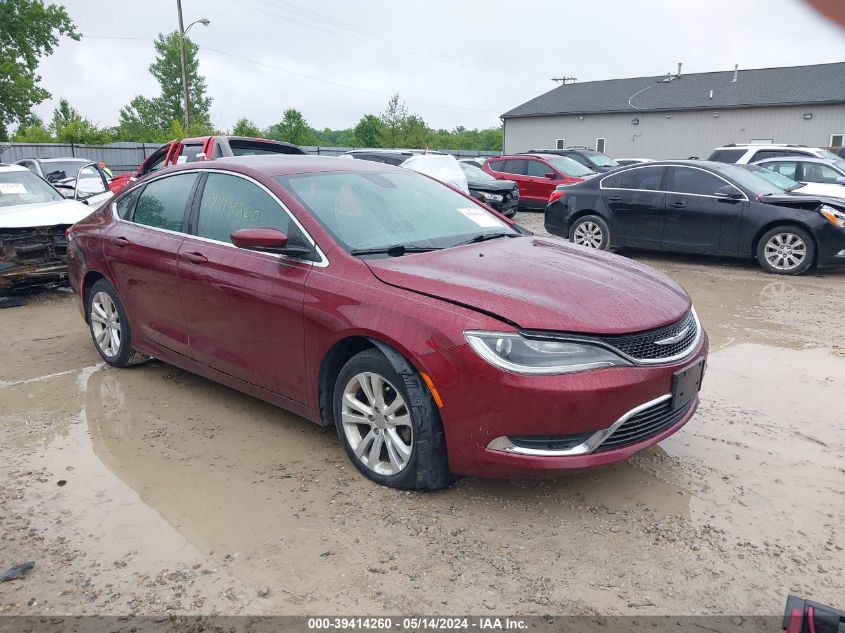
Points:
(377, 423)
(105, 322)
(785, 251)
(588, 234)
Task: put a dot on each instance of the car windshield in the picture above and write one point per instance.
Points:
(24, 187)
(402, 211)
(602, 160)
(56, 170)
(569, 167)
(784, 182)
(474, 173)
(753, 182)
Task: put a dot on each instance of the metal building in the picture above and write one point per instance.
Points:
(685, 115)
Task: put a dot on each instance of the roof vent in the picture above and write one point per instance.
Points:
(736, 73)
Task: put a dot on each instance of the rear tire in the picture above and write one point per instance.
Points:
(389, 424)
(109, 327)
(786, 250)
(590, 231)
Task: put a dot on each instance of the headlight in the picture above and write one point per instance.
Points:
(513, 352)
(491, 197)
(832, 215)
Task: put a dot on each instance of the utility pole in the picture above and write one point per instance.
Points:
(182, 62)
(563, 80)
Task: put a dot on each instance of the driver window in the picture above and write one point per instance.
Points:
(784, 168)
(538, 169)
(231, 203)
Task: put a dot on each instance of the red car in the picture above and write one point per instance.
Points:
(438, 337)
(189, 150)
(537, 175)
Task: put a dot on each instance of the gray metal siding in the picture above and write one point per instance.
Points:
(664, 135)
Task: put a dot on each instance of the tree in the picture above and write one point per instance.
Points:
(152, 120)
(415, 133)
(245, 127)
(293, 128)
(63, 115)
(368, 132)
(29, 30)
(69, 126)
(392, 120)
(32, 130)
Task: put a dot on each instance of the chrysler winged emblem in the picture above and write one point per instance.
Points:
(674, 338)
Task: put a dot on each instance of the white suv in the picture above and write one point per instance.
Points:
(742, 154)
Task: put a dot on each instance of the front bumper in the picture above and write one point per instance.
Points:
(31, 257)
(482, 404)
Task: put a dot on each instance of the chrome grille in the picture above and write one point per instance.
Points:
(645, 424)
(656, 345)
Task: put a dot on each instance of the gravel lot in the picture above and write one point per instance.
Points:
(153, 491)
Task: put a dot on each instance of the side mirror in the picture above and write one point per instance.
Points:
(551, 175)
(729, 193)
(840, 180)
(268, 241)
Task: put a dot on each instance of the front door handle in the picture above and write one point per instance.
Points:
(615, 198)
(677, 205)
(120, 241)
(195, 258)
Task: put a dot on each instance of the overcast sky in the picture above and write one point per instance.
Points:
(455, 62)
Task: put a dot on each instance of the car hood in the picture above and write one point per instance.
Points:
(541, 284)
(42, 214)
(494, 185)
(828, 190)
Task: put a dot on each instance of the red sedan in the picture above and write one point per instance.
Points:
(438, 338)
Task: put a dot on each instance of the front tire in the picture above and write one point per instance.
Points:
(786, 250)
(389, 424)
(109, 327)
(590, 231)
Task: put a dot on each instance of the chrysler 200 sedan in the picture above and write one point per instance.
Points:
(435, 335)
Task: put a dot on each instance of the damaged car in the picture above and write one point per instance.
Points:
(34, 216)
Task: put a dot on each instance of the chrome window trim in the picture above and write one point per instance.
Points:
(589, 445)
(636, 361)
(677, 193)
(322, 263)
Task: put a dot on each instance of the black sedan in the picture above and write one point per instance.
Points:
(701, 207)
(501, 195)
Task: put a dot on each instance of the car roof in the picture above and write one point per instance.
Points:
(286, 164)
(803, 159)
(7, 167)
(748, 146)
(526, 155)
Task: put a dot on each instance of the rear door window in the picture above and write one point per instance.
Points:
(230, 203)
(727, 155)
(643, 178)
(517, 167)
(686, 180)
(785, 168)
(163, 202)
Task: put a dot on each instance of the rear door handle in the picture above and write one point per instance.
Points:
(677, 205)
(195, 258)
(120, 241)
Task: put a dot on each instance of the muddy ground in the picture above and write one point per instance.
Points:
(153, 491)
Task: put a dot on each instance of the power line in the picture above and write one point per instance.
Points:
(375, 38)
(299, 74)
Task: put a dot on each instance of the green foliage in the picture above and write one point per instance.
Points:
(32, 130)
(154, 120)
(68, 126)
(29, 30)
(293, 128)
(392, 121)
(245, 127)
(368, 132)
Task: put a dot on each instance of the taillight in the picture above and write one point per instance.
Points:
(67, 234)
(557, 194)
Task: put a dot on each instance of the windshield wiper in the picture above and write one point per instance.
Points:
(397, 250)
(483, 237)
